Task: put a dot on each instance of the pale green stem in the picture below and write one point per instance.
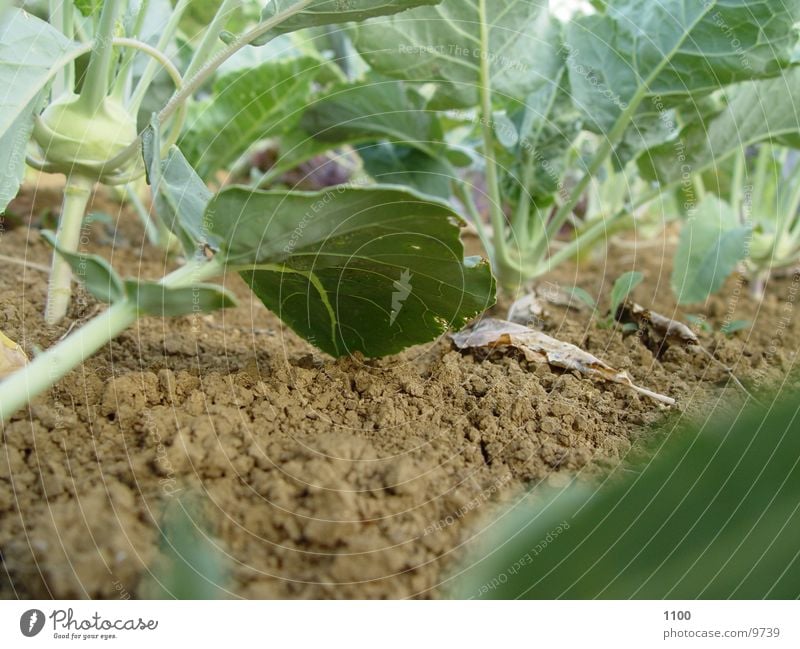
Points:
(791, 218)
(157, 232)
(603, 225)
(760, 178)
(152, 67)
(76, 197)
(211, 36)
(464, 193)
(205, 73)
(52, 365)
(496, 215)
(125, 69)
(738, 182)
(68, 27)
(699, 187)
(60, 14)
(98, 72)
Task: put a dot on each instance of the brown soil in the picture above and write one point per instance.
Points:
(320, 478)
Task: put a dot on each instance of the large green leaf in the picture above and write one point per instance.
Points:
(711, 513)
(179, 195)
(29, 51)
(712, 243)
(442, 44)
(373, 270)
(376, 108)
(153, 298)
(246, 106)
(756, 111)
(334, 12)
(672, 49)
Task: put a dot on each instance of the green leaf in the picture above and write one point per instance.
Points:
(29, 51)
(179, 195)
(622, 288)
(673, 49)
(709, 513)
(373, 270)
(734, 326)
(334, 12)
(13, 144)
(712, 243)
(393, 164)
(92, 271)
(756, 111)
(152, 298)
(442, 44)
(88, 7)
(548, 126)
(581, 295)
(246, 106)
(377, 108)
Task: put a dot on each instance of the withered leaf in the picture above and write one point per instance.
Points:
(12, 357)
(671, 331)
(538, 347)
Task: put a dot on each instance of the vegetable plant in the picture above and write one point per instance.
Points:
(328, 263)
(542, 108)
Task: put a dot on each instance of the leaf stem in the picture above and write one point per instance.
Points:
(463, 192)
(211, 36)
(76, 197)
(157, 232)
(52, 365)
(505, 267)
(122, 83)
(205, 72)
(98, 72)
(150, 70)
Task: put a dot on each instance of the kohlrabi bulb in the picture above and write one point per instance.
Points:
(69, 133)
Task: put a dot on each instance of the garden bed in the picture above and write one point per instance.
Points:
(323, 478)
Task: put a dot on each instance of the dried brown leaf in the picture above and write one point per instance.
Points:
(672, 331)
(12, 357)
(538, 347)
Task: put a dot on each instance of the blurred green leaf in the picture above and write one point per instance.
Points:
(712, 243)
(247, 105)
(375, 108)
(88, 7)
(673, 49)
(734, 326)
(441, 44)
(394, 164)
(334, 12)
(711, 513)
(623, 287)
